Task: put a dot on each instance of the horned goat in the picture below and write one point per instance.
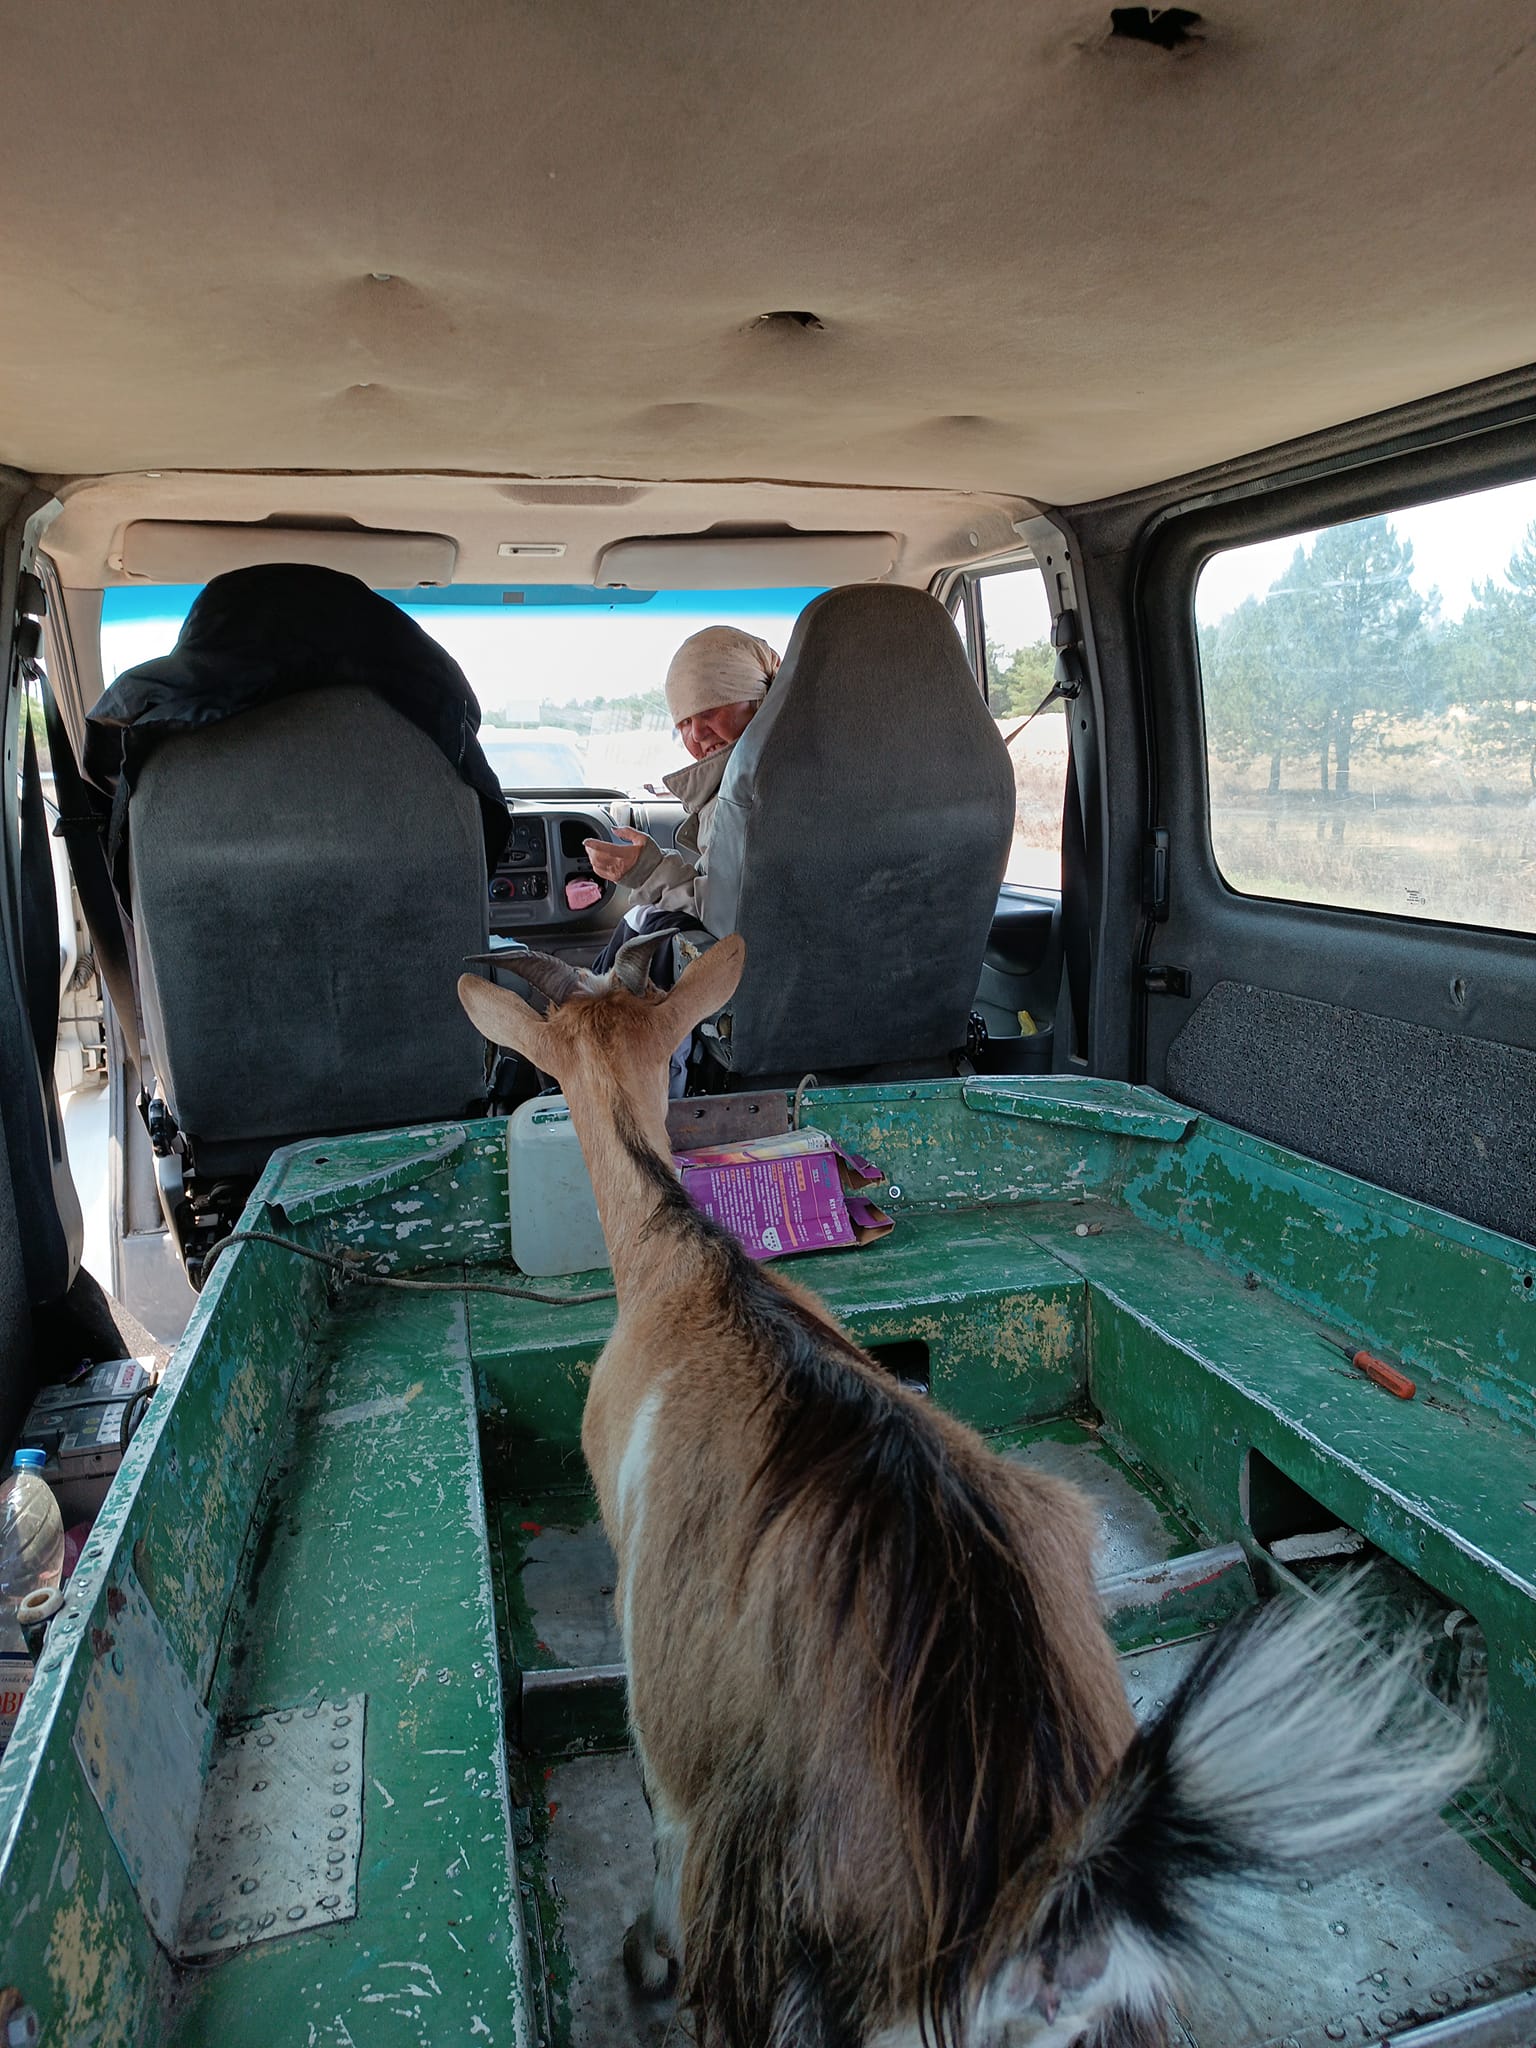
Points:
(897, 1791)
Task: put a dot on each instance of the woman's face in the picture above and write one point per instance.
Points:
(708, 731)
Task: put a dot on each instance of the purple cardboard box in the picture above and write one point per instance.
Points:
(785, 1194)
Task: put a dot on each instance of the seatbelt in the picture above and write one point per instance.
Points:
(1077, 870)
(39, 905)
(1076, 932)
(82, 825)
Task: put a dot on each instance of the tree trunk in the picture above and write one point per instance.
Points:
(1274, 773)
(1322, 766)
(1341, 739)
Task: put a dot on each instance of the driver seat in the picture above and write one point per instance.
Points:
(860, 836)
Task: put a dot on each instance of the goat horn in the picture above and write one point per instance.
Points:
(632, 962)
(553, 978)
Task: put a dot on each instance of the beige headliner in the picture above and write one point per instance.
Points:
(935, 527)
(1048, 265)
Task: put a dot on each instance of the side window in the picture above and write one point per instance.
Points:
(1013, 620)
(1370, 712)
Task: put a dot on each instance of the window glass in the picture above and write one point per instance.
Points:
(1370, 711)
(1016, 619)
(569, 678)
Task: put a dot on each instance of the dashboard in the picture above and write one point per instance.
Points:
(544, 862)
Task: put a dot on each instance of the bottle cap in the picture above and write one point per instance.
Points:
(30, 1461)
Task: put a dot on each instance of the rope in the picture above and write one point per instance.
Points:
(351, 1270)
(806, 1081)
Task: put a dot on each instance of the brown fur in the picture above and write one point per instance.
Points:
(867, 1666)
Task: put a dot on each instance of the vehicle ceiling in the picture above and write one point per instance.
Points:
(536, 242)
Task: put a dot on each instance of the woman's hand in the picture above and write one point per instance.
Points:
(612, 862)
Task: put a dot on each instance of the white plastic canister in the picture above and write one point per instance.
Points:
(554, 1215)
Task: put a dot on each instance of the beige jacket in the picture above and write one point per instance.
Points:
(670, 881)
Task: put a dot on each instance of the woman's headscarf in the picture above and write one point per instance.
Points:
(720, 665)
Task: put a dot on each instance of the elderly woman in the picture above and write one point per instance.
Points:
(716, 682)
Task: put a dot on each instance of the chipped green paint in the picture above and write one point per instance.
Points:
(316, 1180)
(369, 1571)
(1442, 1294)
(305, 1503)
(1081, 1103)
(451, 1210)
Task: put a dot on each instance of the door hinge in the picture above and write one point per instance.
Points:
(1154, 874)
(1157, 978)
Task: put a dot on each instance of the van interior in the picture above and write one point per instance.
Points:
(1123, 423)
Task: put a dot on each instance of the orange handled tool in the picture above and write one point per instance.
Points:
(1378, 1370)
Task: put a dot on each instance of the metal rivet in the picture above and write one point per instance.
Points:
(339, 1742)
(266, 1920)
(1485, 1980)
(337, 1812)
(310, 1713)
(90, 1697)
(1334, 2030)
(1441, 1997)
(297, 1912)
(331, 1899)
(338, 1706)
(284, 1718)
(342, 1763)
(343, 1720)
(154, 1907)
(117, 1662)
(258, 1784)
(95, 1769)
(336, 1835)
(265, 1741)
(218, 1930)
(244, 1924)
(248, 1885)
(340, 1787)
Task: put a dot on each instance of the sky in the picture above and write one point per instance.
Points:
(1456, 543)
(515, 657)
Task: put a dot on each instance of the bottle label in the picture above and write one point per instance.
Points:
(15, 1678)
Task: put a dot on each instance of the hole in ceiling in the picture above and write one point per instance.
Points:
(1164, 27)
(784, 321)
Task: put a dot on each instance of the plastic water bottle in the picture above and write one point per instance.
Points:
(31, 1556)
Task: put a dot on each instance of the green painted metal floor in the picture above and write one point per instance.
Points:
(1438, 1931)
(422, 1415)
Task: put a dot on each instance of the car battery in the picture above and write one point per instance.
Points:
(84, 1426)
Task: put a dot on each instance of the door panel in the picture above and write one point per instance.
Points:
(1390, 1042)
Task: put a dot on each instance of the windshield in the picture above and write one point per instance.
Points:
(569, 678)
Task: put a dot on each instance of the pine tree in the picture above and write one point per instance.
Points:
(1495, 666)
(1357, 628)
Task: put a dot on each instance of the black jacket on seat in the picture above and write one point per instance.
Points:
(304, 822)
(273, 631)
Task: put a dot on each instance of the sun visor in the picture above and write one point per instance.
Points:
(195, 551)
(778, 561)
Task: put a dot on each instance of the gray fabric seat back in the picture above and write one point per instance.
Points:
(861, 832)
(307, 878)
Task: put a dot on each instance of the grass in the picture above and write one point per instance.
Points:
(1428, 829)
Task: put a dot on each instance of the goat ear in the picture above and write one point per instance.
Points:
(505, 1019)
(702, 988)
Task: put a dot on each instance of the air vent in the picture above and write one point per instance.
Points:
(538, 550)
